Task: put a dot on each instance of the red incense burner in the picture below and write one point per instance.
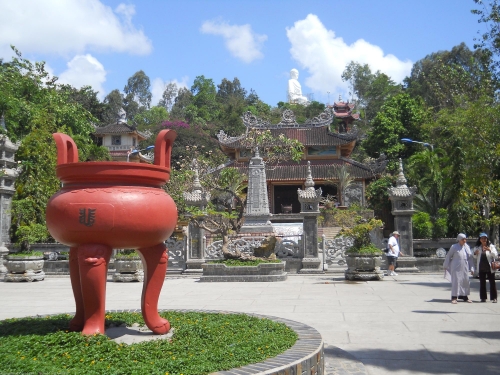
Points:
(112, 205)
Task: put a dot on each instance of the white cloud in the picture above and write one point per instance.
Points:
(158, 87)
(69, 26)
(85, 70)
(325, 56)
(240, 40)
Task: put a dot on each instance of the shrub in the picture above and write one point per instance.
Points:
(422, 225)
(440, 228)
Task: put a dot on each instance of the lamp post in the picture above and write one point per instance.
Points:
(135, 152)
(425, 144)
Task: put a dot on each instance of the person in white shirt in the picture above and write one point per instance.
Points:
(393, 253)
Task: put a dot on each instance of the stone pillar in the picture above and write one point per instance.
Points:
(401, 198)
(257, 215)
(195, 245)
(8, 175)
(309, 208)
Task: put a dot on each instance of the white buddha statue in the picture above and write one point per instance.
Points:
(295, 90)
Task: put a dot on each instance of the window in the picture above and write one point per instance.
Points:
(133, 141)
(116, 140)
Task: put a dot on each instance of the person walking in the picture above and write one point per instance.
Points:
(393, 253)
(457, 264)
(485, 253)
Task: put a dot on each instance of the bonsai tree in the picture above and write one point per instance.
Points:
(360, 233)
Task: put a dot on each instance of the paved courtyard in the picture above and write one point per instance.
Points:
(402, 325)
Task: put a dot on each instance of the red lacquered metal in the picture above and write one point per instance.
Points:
(112, 205)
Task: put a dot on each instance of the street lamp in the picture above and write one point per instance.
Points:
(408, 140)
(135, 152)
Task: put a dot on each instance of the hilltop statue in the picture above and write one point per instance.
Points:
(295, 89)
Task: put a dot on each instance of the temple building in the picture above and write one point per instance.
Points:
(121, 140)
(343, 112)
(326, 149)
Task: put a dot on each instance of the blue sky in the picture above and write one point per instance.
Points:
(103, 42)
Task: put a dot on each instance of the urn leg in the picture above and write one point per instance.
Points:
(76, 324)
(93, 260)
(154, 261)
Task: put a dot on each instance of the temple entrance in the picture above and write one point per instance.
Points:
(286, 199)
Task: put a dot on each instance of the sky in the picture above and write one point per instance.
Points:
(102, 43)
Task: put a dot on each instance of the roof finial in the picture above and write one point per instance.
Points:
(196, 183)
(401, 177)
(309, 180)
(257, 154)
(2, 122)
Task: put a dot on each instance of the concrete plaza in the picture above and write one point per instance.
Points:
(401, 325)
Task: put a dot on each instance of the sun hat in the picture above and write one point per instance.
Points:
(482, 234)
(396, 232)
(461, 236)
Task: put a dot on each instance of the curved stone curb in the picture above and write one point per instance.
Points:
(305, 357)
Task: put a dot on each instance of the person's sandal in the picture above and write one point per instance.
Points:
(494, 301)
(454, 301)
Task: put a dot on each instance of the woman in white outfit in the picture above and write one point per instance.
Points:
(485, 253)
(458, 264)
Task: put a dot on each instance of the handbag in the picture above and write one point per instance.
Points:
(495, 265)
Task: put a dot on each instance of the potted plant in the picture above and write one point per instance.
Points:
(26, 264)
(363, 257)
(128, 266)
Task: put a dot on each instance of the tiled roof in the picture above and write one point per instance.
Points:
(118, 128)
(307, 136)
(320, 169)
(355, 116)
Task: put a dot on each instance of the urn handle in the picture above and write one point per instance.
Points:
(67, 152)
(163, 147)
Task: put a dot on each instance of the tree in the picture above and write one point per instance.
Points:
(138, 89)
(88, 99)
(232, 99)
(343, 180)
(429, 170)
(470, 135)
(489, 40)
(29, 96)
(182, 101)
(34, 107)
(168, 97)
(113, 102)
(447, 79)
(400, 117)
(370, 89)
(204, 107)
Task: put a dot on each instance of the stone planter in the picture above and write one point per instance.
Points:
(263, 272)
(128, 269)
(363, 267)
(21, 268)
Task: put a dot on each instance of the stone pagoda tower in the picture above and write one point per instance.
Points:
(309, 208)
(8, 175)
(196, 244)
(257, 215)
(401, 198)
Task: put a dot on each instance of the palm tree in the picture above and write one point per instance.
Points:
(342, 180)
